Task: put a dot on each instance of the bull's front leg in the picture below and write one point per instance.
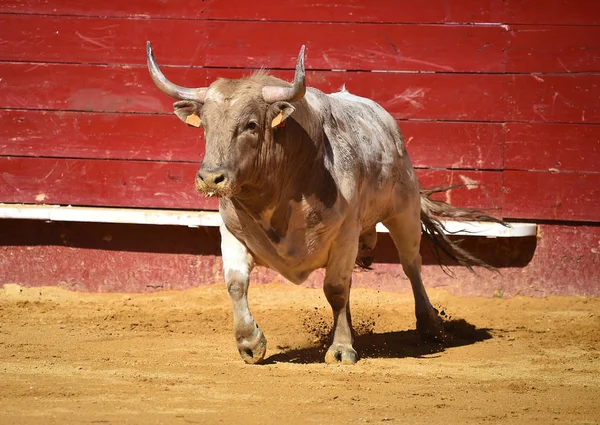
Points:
(237, 265)
(338, 280)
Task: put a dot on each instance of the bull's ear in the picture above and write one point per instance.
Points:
(278, 113)
(188, 111)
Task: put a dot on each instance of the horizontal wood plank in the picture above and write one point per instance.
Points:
(555, 12)
(552, 147)
(554, 98)
(100, 88)
(561, 12)
(434, 11)
(432, 96)
(87, 87)
(552, 196)
(562, 49)
(471, 97)
(101, 136)
(454, 144)
(100, 183)
(477, 189)
(164, 138)
(170, 184)
(250, 44)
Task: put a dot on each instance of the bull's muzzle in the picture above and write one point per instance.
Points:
(213, 181)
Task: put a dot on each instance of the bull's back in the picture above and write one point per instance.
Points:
(386, 181)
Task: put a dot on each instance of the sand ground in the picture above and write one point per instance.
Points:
(170, 358)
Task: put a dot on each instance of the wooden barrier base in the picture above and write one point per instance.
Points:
(102, 257)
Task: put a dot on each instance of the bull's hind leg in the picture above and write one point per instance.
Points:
(405, 231)
(237, 264)
(338, 280)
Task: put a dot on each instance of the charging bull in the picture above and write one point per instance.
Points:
(302, 179)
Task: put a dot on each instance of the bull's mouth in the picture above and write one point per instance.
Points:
(221, 190)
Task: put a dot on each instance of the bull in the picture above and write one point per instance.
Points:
(302, 179)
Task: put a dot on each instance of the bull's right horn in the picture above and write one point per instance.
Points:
(273, 94)
(167, 87)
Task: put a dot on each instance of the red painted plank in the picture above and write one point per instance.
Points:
(170, 184)
(552, 196)
(473, 97)
(556, 147)
(250, 44)
(100, 257)
(98, 182)
(436, 11)
(92, 135)
(554, 49)
(554, 98)
(165, 138)
(87, 87)
(555, 12)
(470, 97)
(454, 145)
(481, 189)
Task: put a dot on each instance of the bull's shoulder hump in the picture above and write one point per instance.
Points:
(345, 104)
(346, 96)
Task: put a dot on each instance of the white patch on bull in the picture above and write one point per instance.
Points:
(411, 174)
(40, 197)
(346, 95)
(373, 108)
(214, 95)
(313, 100)
(234, 254)
(469, 183)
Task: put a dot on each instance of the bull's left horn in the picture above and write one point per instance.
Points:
(169, 88)
(273, 94)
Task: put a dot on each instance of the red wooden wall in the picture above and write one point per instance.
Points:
(500, 94)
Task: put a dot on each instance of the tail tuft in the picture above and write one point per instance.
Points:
(435, 231)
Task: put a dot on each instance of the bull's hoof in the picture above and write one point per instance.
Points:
(431, 328)
(253, 351)
(341, 353)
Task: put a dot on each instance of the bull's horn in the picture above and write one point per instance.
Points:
(167, 87)
(273, 94)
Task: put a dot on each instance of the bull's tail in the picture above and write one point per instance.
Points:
(431, 212)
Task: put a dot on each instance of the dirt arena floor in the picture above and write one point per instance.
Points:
(170, 358)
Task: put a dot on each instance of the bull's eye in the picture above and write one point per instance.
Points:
(252, 125)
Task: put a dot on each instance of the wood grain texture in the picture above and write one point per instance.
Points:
(164, 138)
(250, 44)
(170, 184)
(552, 147)
(552, 196)
(554, 98)
(104, 257)
(564, 49)
(555, 12)
(81, 119)
(478, 189)
(433, 11)
(100, 88)
(95, 135)
(454, 144)
(100, 183)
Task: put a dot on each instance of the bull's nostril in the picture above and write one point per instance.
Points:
(219, 179)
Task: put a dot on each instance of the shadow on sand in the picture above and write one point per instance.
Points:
(395, 345)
